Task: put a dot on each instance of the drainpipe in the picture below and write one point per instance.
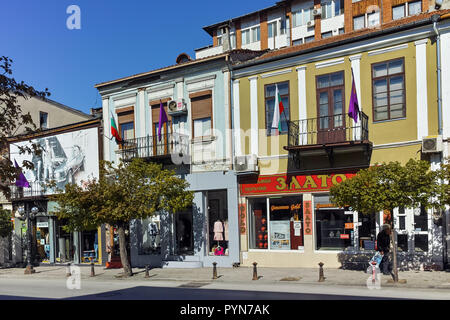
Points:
(435, 18)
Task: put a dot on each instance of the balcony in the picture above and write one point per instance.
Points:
(37, 189)
(151, 148)
(337, 139)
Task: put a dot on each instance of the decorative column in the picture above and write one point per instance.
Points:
(302, 114)
(140, 114)
(422, 90)
(237, 119)
(355, 63)
(106, 128)
(254, 136)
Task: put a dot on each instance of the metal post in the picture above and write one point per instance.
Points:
(255, 272)
(146, 271)
(92, 270)
(214, 270)
(68, 273)
(321, 277)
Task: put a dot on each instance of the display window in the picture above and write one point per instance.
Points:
(218, 228)
(334, 229)
(281, 229)
(64, 243)
(184, 232)
(43, 239)
(149, 235)
(367, 231)
(89, 246)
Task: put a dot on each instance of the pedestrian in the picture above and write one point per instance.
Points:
(383, 246)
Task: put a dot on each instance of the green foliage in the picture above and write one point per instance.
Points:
(12, 119)
(443, 174)
(6, 224)
(128, 191)
(387, 186)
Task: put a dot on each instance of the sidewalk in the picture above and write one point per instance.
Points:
(414, 279)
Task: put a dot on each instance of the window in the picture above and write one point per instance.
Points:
(414, 8)
(308, 15)
(341, 30)
(398, 12)
(126, 123)
(43, 120)
(338, 7)
(219, 37)
(160, 147)
(373, 19)
(149, 235)
(326, 10)
(309, 39)
(233, 40)
(276, 223)
(297, 18)
(272, 28)
(367, 231)
(388, 86)
(283, 26)
(327, 34)
(201, 104)
(255, 34)
(245, 37)
(218, 223)
(359, 22)
(297, 42)
(270, 98)
(334, 229)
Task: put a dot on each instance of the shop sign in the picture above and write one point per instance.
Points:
(42, 222)
(345, 236)
(307, 217)
(296, 183)
(349, 226)
(242, 218)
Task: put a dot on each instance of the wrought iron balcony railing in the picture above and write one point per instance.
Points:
(37, 189)
(328, 130)
(152, 147)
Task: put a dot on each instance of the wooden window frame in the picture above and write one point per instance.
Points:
(388, 89)
(330, 90)
(268, 132)
(197, 95)
(128, 110)
(155, 104)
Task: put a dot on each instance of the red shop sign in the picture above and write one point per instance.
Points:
(307, 217)
(295, 183)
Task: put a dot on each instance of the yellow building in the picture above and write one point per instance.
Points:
(286, 216)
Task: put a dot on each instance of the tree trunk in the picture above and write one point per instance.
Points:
(127, 272)
(394, 248)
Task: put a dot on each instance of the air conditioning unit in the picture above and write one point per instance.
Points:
(317, 12)
(176, 107)
(432, 144)
(310, 23)
(248, 163)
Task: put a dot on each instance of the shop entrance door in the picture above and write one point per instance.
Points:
(184, 241)
(64, 244)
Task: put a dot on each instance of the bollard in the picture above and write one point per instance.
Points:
(68, 273)
(214, 270)
(321, 277)
(255, 272)
(146, 271)
(92, 270)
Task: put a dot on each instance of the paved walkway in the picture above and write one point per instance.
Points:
(414, 279)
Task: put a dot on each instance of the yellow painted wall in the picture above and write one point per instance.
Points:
(401, 154)
(432, 88)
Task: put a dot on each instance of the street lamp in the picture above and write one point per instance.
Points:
(28, 216)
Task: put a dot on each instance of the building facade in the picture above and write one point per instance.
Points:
(195, 142)
(285, 212)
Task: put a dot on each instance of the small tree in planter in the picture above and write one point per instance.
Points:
(136, 190)
(388, 186)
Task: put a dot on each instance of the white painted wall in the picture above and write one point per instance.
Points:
(208, 52)
(332, 24)
(445, 65)
(422, 92)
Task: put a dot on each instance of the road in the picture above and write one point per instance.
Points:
(178, 290)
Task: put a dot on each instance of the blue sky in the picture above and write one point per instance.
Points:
(117, 39)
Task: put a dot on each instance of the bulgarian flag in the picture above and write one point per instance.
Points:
(114, 130)
(279, 108)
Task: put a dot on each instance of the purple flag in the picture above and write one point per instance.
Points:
(21, 181)
(353, 108)
(162, 119)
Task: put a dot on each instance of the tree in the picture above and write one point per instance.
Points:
(130, 191)
(12, 118)
(388, 186)
(6, 225)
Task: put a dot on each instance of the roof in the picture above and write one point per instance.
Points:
(392, 26)
(209, 29)
(237, 54)
(62, 106)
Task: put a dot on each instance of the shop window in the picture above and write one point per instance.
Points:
(285, 223)
(184, 232)
(89, 246)
(421, 220)
(282, 229)
(258, 224)
(402, 242)
(218, 227)
(388, 87)
(367, 231)
(270, 99)
(64, 243)
(43, 239)
(149, 235)
(334, 229)
(421, 242)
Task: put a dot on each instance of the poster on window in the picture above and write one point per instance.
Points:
(70, 157)
(280, 235)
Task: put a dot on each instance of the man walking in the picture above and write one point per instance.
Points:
(383, 246)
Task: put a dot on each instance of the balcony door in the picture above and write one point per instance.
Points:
(161, 147)
(330, 102)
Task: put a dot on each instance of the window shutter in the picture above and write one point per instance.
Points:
(125, 115)
(201, 104)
